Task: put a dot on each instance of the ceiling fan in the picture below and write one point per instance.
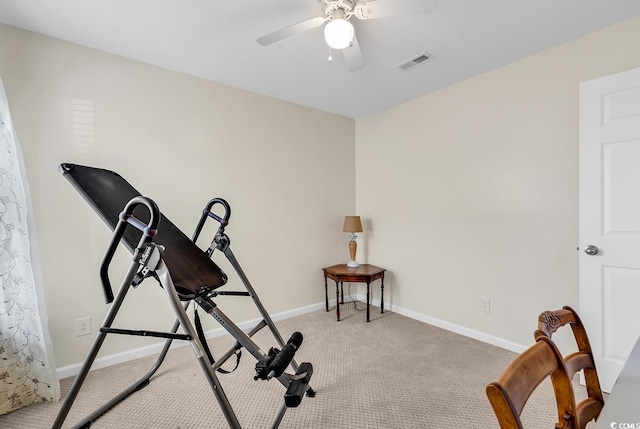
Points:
(339, 32)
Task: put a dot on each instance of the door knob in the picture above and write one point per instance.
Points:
(591, 250)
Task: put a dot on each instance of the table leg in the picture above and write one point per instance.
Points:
(341, 293)
(382, 295)
(337, 301)
(326, 294)
(368, 298)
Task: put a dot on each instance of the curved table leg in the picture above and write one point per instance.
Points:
(382, 295)
(337, 301)
(326, 295)
(368, 298)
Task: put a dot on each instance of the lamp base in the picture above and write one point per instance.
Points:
(353, 264)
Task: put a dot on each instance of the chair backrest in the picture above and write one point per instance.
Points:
(548, 323)
(510, 393)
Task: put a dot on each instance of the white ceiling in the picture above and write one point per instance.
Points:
(216, 40)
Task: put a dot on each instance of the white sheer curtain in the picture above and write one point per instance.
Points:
(27, 369)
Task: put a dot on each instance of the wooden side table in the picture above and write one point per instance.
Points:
(364, 273)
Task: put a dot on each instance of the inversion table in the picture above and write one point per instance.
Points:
(186, 273)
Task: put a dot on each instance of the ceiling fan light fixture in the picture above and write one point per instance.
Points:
(338, 33)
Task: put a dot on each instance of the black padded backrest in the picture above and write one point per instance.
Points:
(192, 271)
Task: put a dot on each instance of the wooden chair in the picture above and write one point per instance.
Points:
(548, 323)
(510, 393)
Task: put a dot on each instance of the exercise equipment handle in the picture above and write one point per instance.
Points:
(285, 356)
(207, 212)
(149, 230)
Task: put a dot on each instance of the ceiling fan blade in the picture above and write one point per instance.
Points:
(291, 30)
(384, 8)
(353, 56)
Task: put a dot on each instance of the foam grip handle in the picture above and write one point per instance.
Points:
(281, 361)
(296, 389)
(285, 356)
(295, 340)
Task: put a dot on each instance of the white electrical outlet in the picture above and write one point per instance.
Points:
(485, 304)
(83, 326)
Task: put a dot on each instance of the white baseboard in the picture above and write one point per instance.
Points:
(462, 330)
(116, 358)
(129, 355)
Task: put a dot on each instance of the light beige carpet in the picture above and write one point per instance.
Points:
(393, 372)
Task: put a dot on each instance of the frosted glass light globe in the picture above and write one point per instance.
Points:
(338, 33)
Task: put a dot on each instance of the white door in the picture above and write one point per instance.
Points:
(610, 218)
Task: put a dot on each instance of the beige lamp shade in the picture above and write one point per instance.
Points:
(352, 224)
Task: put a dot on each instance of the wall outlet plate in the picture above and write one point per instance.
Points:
(83, 326)
(485, 304)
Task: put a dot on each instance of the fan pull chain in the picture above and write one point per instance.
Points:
(330, 57)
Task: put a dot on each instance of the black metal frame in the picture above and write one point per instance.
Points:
(148, 261)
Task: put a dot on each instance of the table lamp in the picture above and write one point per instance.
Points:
(352, 224)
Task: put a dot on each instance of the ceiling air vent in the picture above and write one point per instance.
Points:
(415, 61)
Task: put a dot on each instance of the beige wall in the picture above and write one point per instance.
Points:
(472, 191)
(467, 192)
(286, 170)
